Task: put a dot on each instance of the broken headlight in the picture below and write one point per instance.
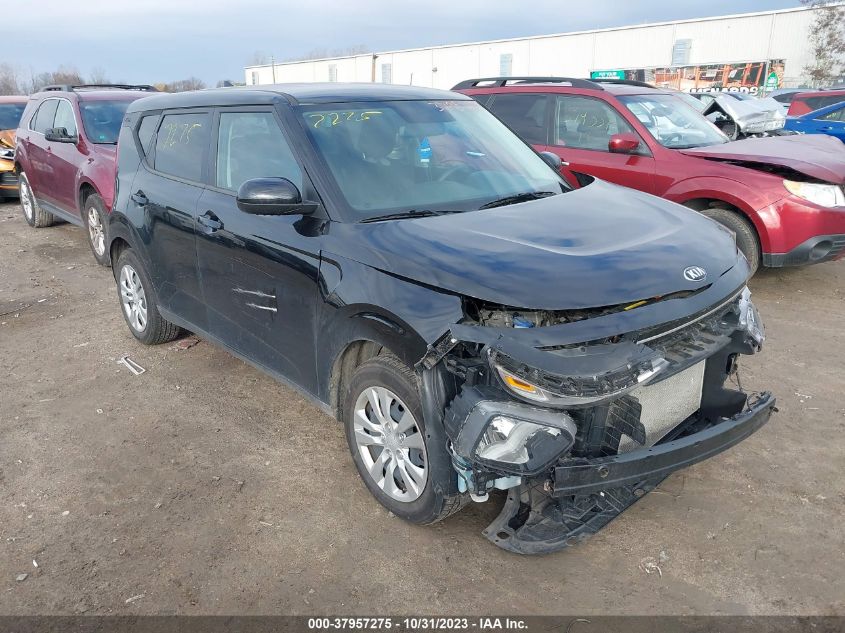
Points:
(506, 436)
(749, 318)
(580, 391)
(822, 194)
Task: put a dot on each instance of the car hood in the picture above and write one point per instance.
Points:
(7, 138)
(752, 116)
(601, 245)
(817, 156)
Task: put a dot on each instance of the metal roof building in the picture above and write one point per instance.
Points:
(752, 51)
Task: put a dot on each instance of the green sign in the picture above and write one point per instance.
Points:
(607, 74)
(772, 81)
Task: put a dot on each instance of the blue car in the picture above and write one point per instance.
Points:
(828, 120)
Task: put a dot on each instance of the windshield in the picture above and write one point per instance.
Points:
(10, 115)
(102, 120)
(424, 156)
(672, 122)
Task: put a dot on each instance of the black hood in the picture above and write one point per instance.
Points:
(601, 245)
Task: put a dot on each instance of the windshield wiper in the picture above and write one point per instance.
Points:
(412, 213)
(516, 198)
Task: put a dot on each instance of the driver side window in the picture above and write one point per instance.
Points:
(586, 123)
(836, 115)
(251, 145)
(65, 117)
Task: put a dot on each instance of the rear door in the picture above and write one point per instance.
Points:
(165, 192)
(259, 272)
(581, 129)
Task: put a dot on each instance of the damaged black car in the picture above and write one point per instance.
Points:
(400, 257)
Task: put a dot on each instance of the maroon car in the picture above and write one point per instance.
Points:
(65, 156)
(782, 197)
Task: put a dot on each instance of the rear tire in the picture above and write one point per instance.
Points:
(397, 446)
(138, 302)
(35, 216)
(94, 221)
(746, 236)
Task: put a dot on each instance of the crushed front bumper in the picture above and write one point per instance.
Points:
(584, 494)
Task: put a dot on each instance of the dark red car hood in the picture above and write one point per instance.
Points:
(817, 155)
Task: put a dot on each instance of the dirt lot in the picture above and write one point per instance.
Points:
(202, 486)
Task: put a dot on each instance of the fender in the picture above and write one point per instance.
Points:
(347, 313)
(737, 194)
(119, 227)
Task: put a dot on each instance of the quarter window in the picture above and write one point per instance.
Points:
(43, 119)
(525, 114)
(65, 118)
(585, 123)
(181, 145)
(251, 145)
(146, 131)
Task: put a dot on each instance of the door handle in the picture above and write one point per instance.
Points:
(210, 221)
(139, 198)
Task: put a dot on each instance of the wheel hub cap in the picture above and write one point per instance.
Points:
(95, 231)
(390, 444)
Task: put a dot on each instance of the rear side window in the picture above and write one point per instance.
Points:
(44, 117)
(836, 115)
(65, 118)
(181, 145)
(146, 131)
(814, 103)
(525, 114)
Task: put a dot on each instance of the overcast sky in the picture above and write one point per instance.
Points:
(147, 41)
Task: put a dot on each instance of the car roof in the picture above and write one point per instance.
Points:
(295, 94)
(93, 95)
(820, 93)
(557, 84)
(13, 99)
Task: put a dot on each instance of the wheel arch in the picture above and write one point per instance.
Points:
(356, 337)
(709, 202)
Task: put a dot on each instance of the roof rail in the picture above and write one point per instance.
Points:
(625, 82)
(498, 82)
(75, 87)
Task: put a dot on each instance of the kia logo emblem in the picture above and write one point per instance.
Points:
(695, 273)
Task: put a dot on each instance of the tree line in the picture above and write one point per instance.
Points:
(15, 82)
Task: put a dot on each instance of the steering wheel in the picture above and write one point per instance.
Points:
(674, 136)
(451, 171)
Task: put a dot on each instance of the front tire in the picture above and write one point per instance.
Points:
(138, 302)
(35, 216)
(94, 220)
(746, 236)
(403, 463)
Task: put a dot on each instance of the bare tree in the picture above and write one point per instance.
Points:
(182, 85)
(63, 75)
(10, 83)
(827, 41)
(259, 58)
(98, 76)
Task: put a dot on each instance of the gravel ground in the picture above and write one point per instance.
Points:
(204, 487)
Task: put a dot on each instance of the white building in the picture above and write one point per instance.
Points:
(730, 51)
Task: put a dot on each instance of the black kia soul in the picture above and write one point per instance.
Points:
(401, 257)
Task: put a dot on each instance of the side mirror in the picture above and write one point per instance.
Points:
(552, 160)
(272, 196)
(625, 143)
(59, 135)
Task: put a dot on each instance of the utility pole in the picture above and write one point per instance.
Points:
(273, 66)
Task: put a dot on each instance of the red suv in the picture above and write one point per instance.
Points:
(782, 196)
(65, 156)
(805, 102)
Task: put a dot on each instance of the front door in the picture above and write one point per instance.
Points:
(581, 130)
(40, 173)
(259, 273)
(66, 158)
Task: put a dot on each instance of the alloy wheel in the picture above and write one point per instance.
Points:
(26, 199)
(390, 444)
(95, 231)
(133, 298)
